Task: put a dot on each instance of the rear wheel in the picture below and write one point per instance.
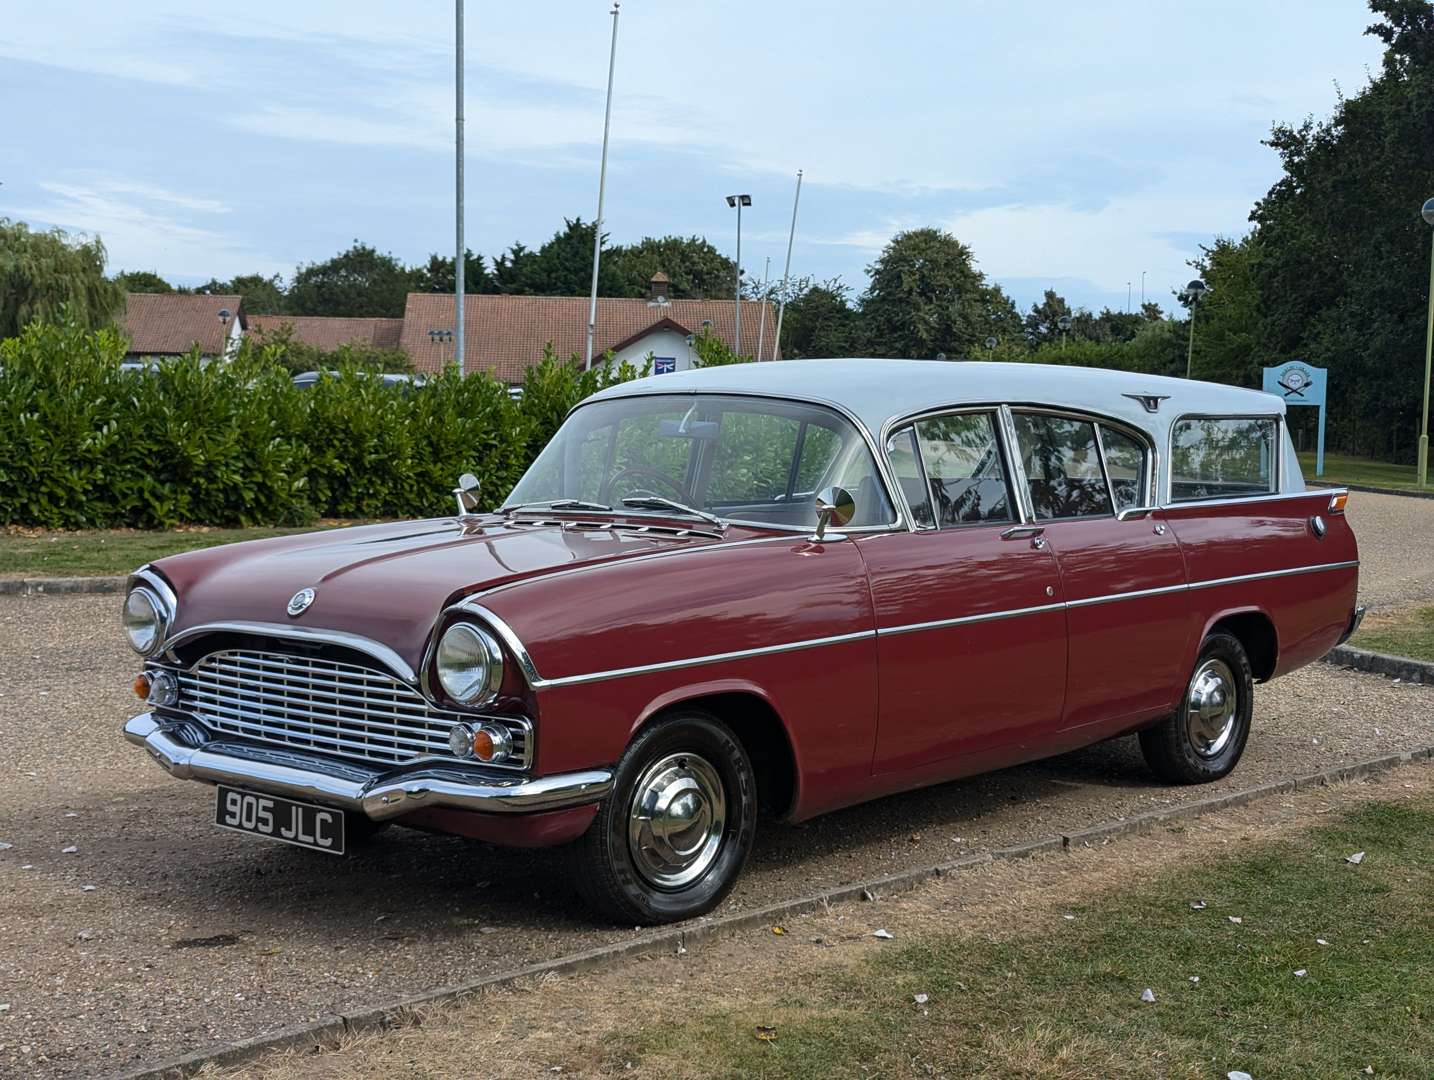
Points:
(676, 829)
(1205, 737)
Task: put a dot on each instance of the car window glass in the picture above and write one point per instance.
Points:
(966, 475)
(1062, 467)
(820, 446)
(753, 457)
(1125, 462)
(1215, 457)
(906, 467)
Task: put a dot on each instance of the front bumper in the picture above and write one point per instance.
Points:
(187, 751)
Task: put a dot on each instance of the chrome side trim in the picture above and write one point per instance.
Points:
(1134, 594)
(1241, 500)
(376, 794)
(1212, 583)
(375, 649)
(962, 620)
(714, 658)
(510, 639)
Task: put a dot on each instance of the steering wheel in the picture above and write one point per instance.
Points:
(646, 474)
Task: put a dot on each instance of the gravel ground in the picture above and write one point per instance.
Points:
(1395, 563)
(159, 934)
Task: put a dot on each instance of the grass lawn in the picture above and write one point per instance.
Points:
(1265, 949)
(1347, 469)
(1407, 632)
(36, 553)
(1270, 999)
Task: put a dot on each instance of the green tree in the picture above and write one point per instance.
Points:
(436, 275)
(694, 268)
(142, 281)
(820, 321)
(561, 267)
(1342, 270)
(46, 274)
(262, 295)
(1042, 321)
(1229, 328)
(360, 281)
(926, 297)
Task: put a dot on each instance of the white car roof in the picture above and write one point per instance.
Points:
(877, 391)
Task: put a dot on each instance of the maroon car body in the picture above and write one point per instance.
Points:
(1032, 560)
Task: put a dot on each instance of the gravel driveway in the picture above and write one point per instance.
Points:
(132, 930)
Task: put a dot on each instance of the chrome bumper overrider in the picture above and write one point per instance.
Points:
(186, 751)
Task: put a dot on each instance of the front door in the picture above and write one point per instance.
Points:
(1127, 608)
(971, 632)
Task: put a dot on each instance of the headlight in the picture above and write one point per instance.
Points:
(144, 620)
(470, 664)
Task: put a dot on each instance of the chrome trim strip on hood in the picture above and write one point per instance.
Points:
(312, 635)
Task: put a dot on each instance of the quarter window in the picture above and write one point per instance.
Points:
(1222, 457)
(906, 467)
(967, 478)
(1062, 466)
(1125, 465)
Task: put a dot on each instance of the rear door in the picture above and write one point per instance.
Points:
(971, 636)
(1128, 610)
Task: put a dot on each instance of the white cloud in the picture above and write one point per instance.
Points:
(141, 231)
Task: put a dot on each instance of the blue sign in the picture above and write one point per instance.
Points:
(664, 365)
(1301, 384)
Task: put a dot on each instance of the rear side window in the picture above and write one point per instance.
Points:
(966, 476)
(1062, 464)
(1222, 457)
(1125, 464)
(906, 467)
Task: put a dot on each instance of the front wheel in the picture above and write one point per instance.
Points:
(676, 829)
(1205, 737)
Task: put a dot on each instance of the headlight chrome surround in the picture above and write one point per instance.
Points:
(469, 664)
(145, 620)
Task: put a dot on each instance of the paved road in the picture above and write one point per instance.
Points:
(192, 936)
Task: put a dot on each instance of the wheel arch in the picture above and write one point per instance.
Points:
(1255, 630)
(749, 711)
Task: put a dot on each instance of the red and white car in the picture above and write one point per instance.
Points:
(773, 588)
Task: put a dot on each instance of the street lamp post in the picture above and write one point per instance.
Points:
(1063, 324)
(1428, 214)
(224, 338)
(739, 201)
(1191, 294)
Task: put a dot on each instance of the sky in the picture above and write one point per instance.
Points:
(1072, 146)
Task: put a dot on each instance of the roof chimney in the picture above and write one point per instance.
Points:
(658, 288)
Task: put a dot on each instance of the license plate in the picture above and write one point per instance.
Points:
(320, 828)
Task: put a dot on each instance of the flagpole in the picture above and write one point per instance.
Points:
(602, 186)
(787, 271)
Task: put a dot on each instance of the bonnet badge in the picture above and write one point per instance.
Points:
(300, 601)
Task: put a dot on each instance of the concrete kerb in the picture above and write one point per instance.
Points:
(65, 586)
(328, 1030)
(1395, 667)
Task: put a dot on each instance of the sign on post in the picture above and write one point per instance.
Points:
(1301, 384)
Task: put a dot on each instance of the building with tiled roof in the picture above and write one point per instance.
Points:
(504, 335)
(327, 332)
(170, 324)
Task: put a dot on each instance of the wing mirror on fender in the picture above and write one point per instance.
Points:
(835, 506)
(467, 494)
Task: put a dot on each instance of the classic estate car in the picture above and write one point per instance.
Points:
(782, 587)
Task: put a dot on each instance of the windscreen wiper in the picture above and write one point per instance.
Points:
(658, 502)
(557, 504)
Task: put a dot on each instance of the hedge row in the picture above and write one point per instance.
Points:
(84, 444)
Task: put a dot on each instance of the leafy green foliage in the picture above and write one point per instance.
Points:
(711, 351)
(694, 268)
(262, 295)
(360, 281)
(85, 444)
(142, 281)
(282, 348)
(47, 275)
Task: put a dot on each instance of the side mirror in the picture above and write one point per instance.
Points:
(467, 494)
(835, 506)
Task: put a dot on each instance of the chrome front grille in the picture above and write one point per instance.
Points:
(326, 706)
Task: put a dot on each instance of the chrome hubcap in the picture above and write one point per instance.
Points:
(1210, 708)
(678, 815)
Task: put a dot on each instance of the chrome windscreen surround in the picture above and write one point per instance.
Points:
(328, 707)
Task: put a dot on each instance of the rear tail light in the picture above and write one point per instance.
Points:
(1337, 502)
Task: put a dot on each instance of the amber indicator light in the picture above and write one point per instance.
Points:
(141, 686)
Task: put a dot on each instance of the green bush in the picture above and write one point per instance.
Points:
(85, 444)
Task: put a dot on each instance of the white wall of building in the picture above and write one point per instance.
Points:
(664, 343)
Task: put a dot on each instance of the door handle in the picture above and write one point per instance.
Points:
(1021, 532)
